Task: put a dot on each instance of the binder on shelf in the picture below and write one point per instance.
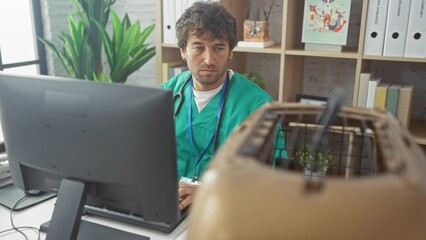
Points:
(190, 2)
(375, 27)
(396, 28)
(371, 94)
(181, 6)
(405, 100)
(392, 99)
(416, 35)
(380, 97)
(363, 89)
(169, 21)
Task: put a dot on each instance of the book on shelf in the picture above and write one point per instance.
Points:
(372, 86)
(173, 71)
(392, 98)
(256, 44)
(326, 23)
(169, 69)
(380, 97)
(363, 89)
(405, 100)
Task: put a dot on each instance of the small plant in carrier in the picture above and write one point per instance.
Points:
(314, 161)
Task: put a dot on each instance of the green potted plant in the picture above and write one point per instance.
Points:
(254, 77)
(314, 163)
(81, 50)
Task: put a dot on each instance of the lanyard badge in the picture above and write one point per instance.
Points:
(191, 140)
(189, 181)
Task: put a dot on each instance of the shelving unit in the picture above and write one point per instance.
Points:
(292, 56)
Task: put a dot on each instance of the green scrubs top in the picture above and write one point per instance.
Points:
(243, 98)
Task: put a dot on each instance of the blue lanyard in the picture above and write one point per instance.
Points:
(191, 139)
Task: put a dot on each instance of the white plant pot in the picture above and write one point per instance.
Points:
(317, 174)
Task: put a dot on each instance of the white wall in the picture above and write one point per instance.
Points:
(55, 14)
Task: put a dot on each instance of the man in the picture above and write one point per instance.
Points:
(213, 100)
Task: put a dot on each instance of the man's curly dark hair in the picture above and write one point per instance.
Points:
(207, 17)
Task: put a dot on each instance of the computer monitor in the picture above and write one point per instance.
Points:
(2, 148)
(1, 134)
(113, 143)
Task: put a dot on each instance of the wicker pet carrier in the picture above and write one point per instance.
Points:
(284, 174)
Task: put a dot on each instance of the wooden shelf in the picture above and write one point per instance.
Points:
(288, 71)
(167, 45)
(343, 54)
(276, 49)
(418, 129)
(394, 59)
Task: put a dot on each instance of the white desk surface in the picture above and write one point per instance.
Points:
(36, 215)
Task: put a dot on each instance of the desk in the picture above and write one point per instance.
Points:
(42, 212)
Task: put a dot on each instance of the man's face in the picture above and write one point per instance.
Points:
(208, 60)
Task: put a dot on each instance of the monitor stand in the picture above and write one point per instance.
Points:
(10, 194)
(66, 223)
(89, 231)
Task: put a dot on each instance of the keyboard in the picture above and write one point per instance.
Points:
(136, 220)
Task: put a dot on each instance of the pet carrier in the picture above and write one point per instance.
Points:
(359, 176)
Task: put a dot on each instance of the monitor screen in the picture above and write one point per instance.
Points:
(117, 139)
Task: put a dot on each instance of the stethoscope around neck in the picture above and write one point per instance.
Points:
(214, 139)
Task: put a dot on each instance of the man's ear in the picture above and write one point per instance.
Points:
(231, 55)
(183, 53)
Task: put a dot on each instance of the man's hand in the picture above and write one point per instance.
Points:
(186, 194)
